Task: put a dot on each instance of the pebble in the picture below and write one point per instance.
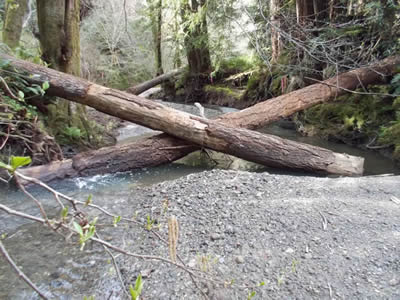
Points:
(215, 236)
(230, 229)
(395, 281)
(239, 259)
(289, 250)
(146, 273)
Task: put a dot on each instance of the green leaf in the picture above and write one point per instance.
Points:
(139, 284)
(251, 295)
(134, 295)
(33, 90)
(78, 228)
(64, 212)
(45, 85)
(396, 79)
(94, 221)
(90, 233)
(5, 166)
(89, 200)
(21, 95)
(137, 290)
(116, 220)
(20, 161)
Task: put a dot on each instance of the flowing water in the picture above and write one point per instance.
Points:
(64, 272)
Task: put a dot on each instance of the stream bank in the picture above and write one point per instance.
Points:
(304, 237)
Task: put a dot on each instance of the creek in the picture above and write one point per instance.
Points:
(64, 272)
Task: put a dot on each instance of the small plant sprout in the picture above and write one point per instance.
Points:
(280, 279)
(64, 213)
(251, 295)
(204, 262)
(21, 96)
(88, 298)
(45, 86)
(150, 223)
(165, 206)
(37, 89)
(294, 265)
(116, 220)
(15, 163)
(86, 232)
(137, 290)
(89, 200)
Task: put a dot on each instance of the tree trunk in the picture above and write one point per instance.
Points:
(59, 34)
(320, 10)
(60, 44)
(276, 40)
(304, 11)
(155, 11)
(163, 149)
(197, 48)
(246, 144)
(144, 86)
(14, 18)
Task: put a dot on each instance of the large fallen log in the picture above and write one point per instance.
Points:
(249, 145)
(162, 148)
(144, 86)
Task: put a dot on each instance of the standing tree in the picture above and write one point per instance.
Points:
(194, 18)
(60, 44)
(155, 12)
(276, 39)
(14, 18)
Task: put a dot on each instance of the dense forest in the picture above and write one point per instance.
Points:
(73, 71)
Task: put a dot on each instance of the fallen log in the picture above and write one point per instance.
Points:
(270, 150)
(144, 86)
(165, 149)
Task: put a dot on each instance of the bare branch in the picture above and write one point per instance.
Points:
(20, 274)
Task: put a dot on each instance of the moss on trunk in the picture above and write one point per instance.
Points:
(60, 44)
(15, 12)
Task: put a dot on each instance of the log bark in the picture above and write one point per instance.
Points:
(270, 150)
(144, 86)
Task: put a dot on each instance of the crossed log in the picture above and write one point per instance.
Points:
(192, 132)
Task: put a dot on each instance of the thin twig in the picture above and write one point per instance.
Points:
(38, 203)
(19, 272)
(117, 270)
(8, 90)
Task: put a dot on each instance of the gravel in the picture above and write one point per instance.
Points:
(282, 237)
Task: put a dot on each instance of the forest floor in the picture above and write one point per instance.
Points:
(304, 237)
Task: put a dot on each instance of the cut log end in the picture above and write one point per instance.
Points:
(344, 164)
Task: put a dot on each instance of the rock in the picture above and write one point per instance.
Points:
(146, 273)
(215, 236)
(239, 259)
(289, 250)
(395, 281)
